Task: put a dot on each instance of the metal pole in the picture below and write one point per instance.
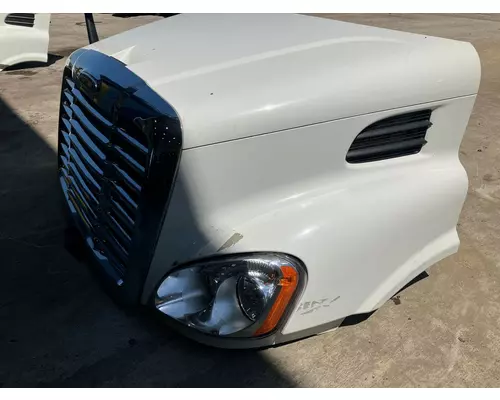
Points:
(91, 31)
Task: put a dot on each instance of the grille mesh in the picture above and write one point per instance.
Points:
(392, 137)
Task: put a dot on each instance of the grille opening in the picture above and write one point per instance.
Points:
(104, 168)
(26, 20)
(123, 207)
(126, 119)
(391, 137)
(131, 146)
(125, 114)
(117, 188)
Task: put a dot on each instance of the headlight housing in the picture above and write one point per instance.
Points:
(235, 295)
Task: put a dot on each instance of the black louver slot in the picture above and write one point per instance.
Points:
(27, 20)
(392, 137)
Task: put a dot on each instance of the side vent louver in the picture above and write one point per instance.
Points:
(26, 20)
(391, 137)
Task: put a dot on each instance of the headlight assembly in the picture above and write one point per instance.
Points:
(240, 295)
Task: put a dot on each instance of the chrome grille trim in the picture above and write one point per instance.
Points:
(116, 169)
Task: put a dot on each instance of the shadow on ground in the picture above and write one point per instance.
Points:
(18, 69)
(58, 328)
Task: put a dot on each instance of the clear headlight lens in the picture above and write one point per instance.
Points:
(235, 295)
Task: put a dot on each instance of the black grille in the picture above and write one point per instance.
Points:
(397, 136)
(119, 144)
(104, 169)
(26, 20)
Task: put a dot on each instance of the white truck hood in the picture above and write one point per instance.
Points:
(232, 76)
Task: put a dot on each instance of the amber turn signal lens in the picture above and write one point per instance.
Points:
(288, 284)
